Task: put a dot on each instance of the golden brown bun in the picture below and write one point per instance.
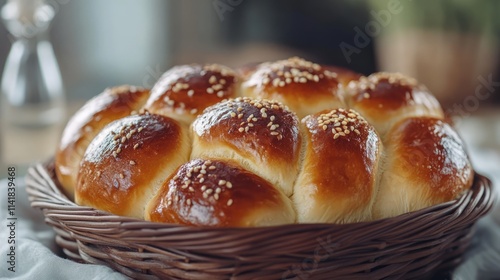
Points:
(262, 135)
(426, 165)
(345, 76)
(184, 91)
(114, 103)
(303, 86)
(219, 193)
(386, 98)
(339, 177)
(127, 162)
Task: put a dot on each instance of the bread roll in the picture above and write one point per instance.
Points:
(303, 86)
(219, 193)
(426, 165)
(386, 98)
(114, 103)
(339, 177)
(262, 135)
(128, 161)
(184, 91)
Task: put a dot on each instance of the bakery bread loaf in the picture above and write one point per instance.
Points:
(126, 163)
(255, 133)
(184, 91)
(338, 182)
(303, 86)
(426, 164)
(385, 98)
(113, 104)
(207, 192)
(272, 143)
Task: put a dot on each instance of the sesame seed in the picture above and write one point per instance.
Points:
(241, 129)
(121, 176)
(191, 189)
(233, 114)
(222, 182)
(203, 171)
(190, 93)
(357, 131)
(132, 162)
(212, 80)
(188, 201)
(218, 190)
(205, 195)
(222, 81)
(211, 167)
(336, 136)
(220, 94)
(209, 191)
(216, 196)
(230, 202)
(194, 111)
(210, 90)
(202, 180)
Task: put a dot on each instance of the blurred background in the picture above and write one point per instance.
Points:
(56, 54)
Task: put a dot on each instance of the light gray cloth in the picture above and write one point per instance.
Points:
(37, 255)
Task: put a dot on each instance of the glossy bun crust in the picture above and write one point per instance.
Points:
(128, 161)
(114, 103)
(303, 86)
(219, 193)
(386, 98)
(426, 165)
(184, 91)
(262, 135)
(339, 177)
(270, 143)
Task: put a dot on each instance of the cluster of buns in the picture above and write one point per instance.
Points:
(282, 142)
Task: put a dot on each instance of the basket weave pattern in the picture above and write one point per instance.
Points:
(413, 245)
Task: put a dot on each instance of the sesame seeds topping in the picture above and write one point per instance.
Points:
(123, 137)
(340, 122)
(209, 185)
(293, 70)
(365, 85)
(255, 113)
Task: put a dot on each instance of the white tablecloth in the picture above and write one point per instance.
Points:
(37, 256)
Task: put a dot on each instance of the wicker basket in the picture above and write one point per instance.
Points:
(414, 245)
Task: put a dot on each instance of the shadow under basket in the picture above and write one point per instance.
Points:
(419, 244)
